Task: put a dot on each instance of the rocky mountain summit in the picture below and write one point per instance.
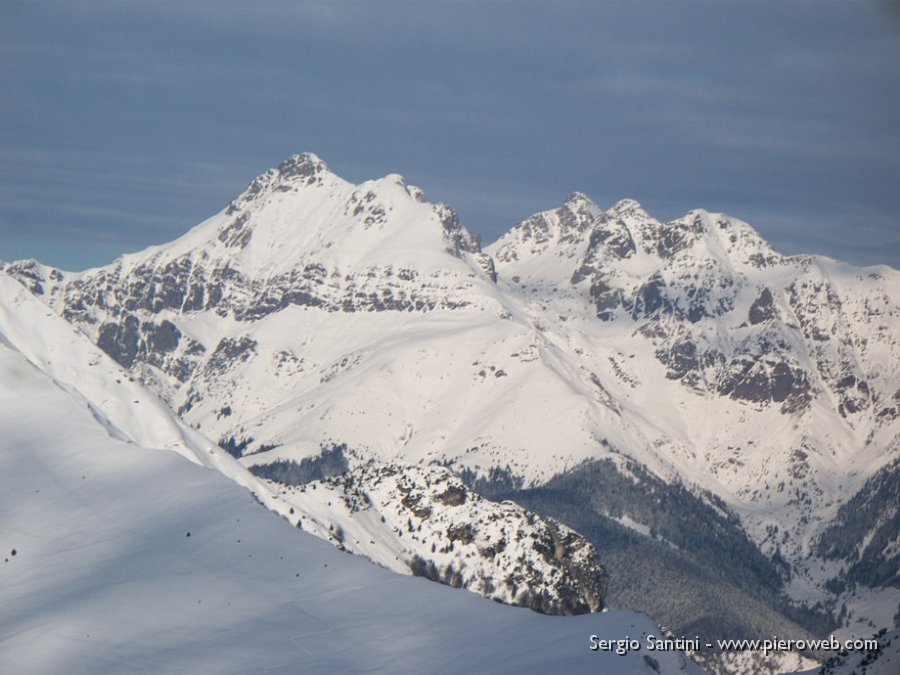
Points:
(685, 359)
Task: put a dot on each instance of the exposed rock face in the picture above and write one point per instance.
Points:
(763, 308)
(697, 289)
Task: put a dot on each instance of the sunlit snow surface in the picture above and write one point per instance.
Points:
(106, 579)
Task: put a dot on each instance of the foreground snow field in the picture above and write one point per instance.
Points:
(131, 559)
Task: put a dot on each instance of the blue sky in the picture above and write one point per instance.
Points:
(124, 124)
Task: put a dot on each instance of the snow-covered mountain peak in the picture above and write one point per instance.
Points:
(298, 236)
(545, 247)
(625, 246)
(391, 179)
(302, 211)
(300, 215)
(626, 206)
(703, 235)
(301, 170)
(576, 199)
(302, 164)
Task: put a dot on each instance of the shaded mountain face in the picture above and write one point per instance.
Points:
(311, 312)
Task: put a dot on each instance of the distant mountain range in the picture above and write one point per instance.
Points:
(720, 422)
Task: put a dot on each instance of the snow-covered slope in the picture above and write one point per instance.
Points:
(312, 313)
(555, 571)
(120, 558)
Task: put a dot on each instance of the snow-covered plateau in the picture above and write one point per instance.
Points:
(597, 410)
